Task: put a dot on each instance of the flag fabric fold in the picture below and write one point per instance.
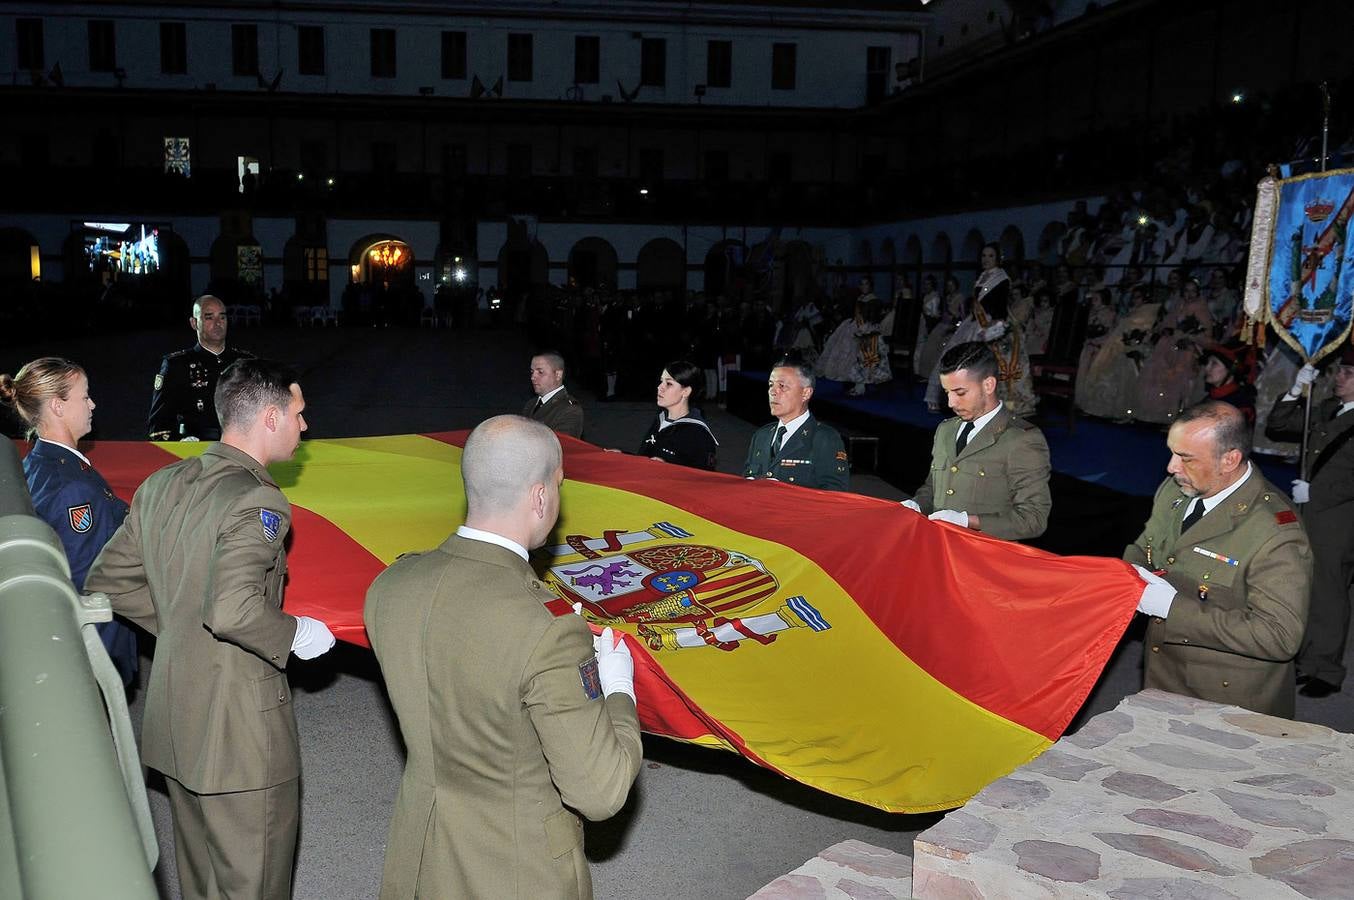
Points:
(843, 641)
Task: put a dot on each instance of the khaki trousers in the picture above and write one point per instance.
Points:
(236, 846)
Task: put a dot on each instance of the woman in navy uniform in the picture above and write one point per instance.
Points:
(679, 433)
(51, 396)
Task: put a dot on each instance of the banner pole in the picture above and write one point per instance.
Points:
(1325, 122)
(1306, 424)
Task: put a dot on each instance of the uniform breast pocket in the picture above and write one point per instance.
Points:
(272, 691)
(1214, 581)
(563, 833)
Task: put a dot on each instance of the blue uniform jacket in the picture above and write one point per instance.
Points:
(73, 498)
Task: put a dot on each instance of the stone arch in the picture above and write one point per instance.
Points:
(592, 263)
(661, 265)
(724, 268)
(973, 247)
(522, 267)
(942, 253)
(799, 273)
(1012, 244)
(1050, 242)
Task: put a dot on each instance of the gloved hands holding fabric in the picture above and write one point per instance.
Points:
(312, 639)
(1157, 596)
(954, 517)
(615, 666)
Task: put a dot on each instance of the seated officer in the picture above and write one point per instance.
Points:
(183, 404)
(796, 448)
(989, 469)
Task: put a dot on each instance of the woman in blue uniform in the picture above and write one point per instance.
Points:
(679, 433)
(51, 397)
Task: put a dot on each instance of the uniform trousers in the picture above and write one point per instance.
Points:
(236, 845)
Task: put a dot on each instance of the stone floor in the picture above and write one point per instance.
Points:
(850, 869)
(1163, 797)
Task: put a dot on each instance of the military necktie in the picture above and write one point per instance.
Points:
(537, 408)
(964, 432)
(1196, 513)
(777, 440)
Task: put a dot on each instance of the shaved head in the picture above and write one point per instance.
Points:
(504, 456)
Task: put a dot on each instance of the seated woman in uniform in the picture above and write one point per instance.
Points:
(51, 397)
(679, 433)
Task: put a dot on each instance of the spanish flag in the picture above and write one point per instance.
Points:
(843, 641)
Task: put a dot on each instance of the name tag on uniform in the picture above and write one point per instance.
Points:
(1218, 556)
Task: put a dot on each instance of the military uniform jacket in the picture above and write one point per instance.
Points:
(560, 413)
(1002, 476)
(504, 739)
(69, 495)
(183, 403)
(813, 456)
(200, 564)
(1233, 629)
(1330, 460)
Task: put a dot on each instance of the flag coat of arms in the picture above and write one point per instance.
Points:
(1301, 275)
(843, 641)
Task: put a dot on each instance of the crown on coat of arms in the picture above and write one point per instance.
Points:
(1319, 210)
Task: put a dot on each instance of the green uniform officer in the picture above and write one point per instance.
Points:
(989, 469)
(796, 448)
(515, 721)
(552, 406)
(1228, 567)
(199, 562)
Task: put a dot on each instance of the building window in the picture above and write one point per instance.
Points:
(453, 160)
(716, 166)
(653, 62)
(103, 52)
(519, 160)
(719, 64)
(310, 49)
(173, 48)
(453, 54)
(585, 162)
(587, 59)
(783, 67)
(28, 37)
(244, 49)
(179, 156)
(650, 166)
(519, 57)
(317, 263)
(383, 53)
(877, 67)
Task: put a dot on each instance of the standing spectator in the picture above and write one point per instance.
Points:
(182, 406)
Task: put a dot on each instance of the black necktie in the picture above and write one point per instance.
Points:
(537, 408)
(1195, 514)
(964, 432)
(777, 440)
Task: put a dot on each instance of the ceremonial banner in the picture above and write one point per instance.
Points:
(843, 641)
(1305, 286)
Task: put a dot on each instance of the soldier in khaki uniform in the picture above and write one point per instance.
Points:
(199, 563)
(552, 405)
(1228, 567)
(515, 721)
(796, 448)
(989, 469)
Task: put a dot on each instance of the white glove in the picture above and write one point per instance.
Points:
(1157, 596)
(994, 331)
(1302, 490)
(313, 638)
(189, 440)
(959, 518)
(615, 667)
(1306, 375)
(912, 505)
(578, 611)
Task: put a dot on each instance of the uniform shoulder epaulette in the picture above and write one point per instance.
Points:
(411, 554)
(178, 354)
(1023, 424)
(1284, 514)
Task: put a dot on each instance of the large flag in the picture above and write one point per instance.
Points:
(843, 641)
(1300, 277)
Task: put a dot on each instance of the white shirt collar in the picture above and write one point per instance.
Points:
(488, 537)
(982, 420)
(1344, 408)
(793, 425)
(84, 458)
(545, 398)
(1211, 502)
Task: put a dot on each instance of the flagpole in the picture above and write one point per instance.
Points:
(1307, 408)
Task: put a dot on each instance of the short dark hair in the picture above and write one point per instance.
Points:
(553, 357)
(250, 384)
(687, 375)
(1230, 429)
(975, 356)
(801, 368)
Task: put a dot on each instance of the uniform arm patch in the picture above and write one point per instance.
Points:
(272, 523)
(592, 681)
(1286, 517)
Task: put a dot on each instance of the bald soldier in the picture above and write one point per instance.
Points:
(515, 721)
(989, 469)
(182, 405)
(1228, 567)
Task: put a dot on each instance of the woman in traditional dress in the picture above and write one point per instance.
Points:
(1171, 377)
(990, 320)
(1100, 319)
(856, 353)
(952, 311)
(1107, 385)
